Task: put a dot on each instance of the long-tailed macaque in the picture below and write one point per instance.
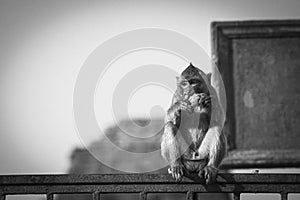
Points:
(193, 141)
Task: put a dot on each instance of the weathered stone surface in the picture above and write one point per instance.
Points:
(267, 92)
(260, 64)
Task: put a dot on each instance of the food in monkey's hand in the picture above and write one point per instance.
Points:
(193, 141)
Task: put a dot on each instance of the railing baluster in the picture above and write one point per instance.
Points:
(50, 196)
(236, 196)
(190, 195)
(96, 196)
(143, 196)
(284, 196)
(144, 184)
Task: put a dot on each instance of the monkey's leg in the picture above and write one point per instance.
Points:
(170, 150)
(214, 148)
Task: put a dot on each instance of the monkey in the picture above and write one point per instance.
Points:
(192, 141)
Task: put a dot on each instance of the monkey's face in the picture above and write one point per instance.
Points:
(193, 86)
(193, 76)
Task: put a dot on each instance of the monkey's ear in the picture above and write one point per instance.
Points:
(178, 79)
(209, 77)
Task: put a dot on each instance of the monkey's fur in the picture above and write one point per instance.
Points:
(193, 141)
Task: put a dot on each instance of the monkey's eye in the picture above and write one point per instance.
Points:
(194, 81)
(184, 83)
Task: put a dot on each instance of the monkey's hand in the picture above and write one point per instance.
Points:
(205, 100)
(177, 172)
(175, 109)
(209, 173)
(185, 105)
(195, 99)
(174, 112)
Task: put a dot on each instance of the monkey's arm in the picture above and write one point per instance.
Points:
(216, 140)
(170, 150)
(214, 144)
(170, 147)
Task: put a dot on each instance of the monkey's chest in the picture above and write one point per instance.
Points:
(189, 128)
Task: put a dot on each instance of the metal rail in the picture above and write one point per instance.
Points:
(147, 183)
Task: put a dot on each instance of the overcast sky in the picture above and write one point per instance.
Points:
(44, 44)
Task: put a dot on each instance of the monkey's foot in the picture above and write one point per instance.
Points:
(208, 173)
(177, 172)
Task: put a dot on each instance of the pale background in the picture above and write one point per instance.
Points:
(43, 45)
